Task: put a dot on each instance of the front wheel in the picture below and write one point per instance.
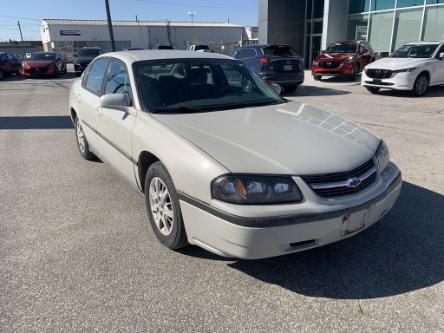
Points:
(421, 85)
(163, 207)
(356, 71)
(82, 143)
(373, 90)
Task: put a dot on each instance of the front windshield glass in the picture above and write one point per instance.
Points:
(89, 52)
(192, 85)
(342, 48)
(43, 56)
(415, 51)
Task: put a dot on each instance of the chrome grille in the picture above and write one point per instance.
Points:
(379, 73)
(342, 183)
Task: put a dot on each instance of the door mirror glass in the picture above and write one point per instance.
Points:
(276, 87)
(115, 101)
(441, 56)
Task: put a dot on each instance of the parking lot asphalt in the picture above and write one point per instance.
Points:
(77, 253)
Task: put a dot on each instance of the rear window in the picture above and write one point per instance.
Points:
(279, 51)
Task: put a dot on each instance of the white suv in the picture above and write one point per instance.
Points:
(414, 67)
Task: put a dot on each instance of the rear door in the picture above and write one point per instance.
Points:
(87, 98)
(115, 126)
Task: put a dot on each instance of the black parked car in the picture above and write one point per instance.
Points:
(9, 64)
(274, 63)
(84, 57)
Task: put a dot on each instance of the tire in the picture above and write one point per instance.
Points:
(373, 90)
(290, 89)
(421, 84)
(317, 77)
(82, 143)
(163, 208)
(65, 70)
(356, 71)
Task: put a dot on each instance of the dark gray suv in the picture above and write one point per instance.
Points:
(274, 63)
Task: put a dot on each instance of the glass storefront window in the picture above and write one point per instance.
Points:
(383, 4)
(434, 24)
(409, 3)
(432, 2)
(358, 6)
(407, 27)
(357, 27)
(318, 11)
(317, 27)
(380, 31)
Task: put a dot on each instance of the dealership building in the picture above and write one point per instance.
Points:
(311, 25)
(67, 36)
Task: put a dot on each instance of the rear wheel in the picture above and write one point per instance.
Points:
(290, 89)
(373, 90)
(421, 85)
(317, 77)
(163, 207)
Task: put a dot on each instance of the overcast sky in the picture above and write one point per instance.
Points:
(29, 12)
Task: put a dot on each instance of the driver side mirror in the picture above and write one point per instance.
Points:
(441, 56)
(120, 102)
(276, 87)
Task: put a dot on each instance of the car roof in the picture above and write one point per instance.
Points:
(131, 56)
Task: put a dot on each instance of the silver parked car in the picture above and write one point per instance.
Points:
(223, 161)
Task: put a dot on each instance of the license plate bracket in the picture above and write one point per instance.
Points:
(375, 81)
(288, 68)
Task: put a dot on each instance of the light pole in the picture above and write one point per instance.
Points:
(110, 26)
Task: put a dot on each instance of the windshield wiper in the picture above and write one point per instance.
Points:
(178, 109)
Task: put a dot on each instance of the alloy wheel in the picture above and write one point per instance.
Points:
(161, 206)
(421, 85)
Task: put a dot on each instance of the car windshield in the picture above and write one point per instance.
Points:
(89, 52)
(201, 47)
(342, 48)
(193, 85)
(43, 56)
(279, 51)
(415, 51)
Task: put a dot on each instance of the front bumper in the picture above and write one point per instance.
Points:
(231, 236)
(343, 69)
(38, 72)
(398, 81)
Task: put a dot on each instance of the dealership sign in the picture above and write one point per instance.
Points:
(70, 32)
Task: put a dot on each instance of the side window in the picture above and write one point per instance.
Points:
(117, 80)
(94, 77)
(246, 53)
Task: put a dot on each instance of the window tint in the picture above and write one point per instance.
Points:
(246, 53)
(94, 77)
(117, 80)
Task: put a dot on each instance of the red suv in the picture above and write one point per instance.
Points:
(343, 58)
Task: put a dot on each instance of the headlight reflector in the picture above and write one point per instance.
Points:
(348, 60)
(405, 70)
(383, 155)
(255, 190)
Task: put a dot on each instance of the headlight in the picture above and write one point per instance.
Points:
(348, 60)
(405, 70)
(255, 190)
(383, 156)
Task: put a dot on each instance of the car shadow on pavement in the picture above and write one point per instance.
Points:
(35, 122)
(304, 90)
(401, 253)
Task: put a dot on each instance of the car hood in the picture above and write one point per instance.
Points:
(334, 56)
(395, 63)
(291, 138)
(39, 63)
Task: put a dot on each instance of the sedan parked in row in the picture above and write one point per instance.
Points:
(346, 58)
(274, 63)
(44, 64)
(413, 67)
(9, 64)
(224, 162)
